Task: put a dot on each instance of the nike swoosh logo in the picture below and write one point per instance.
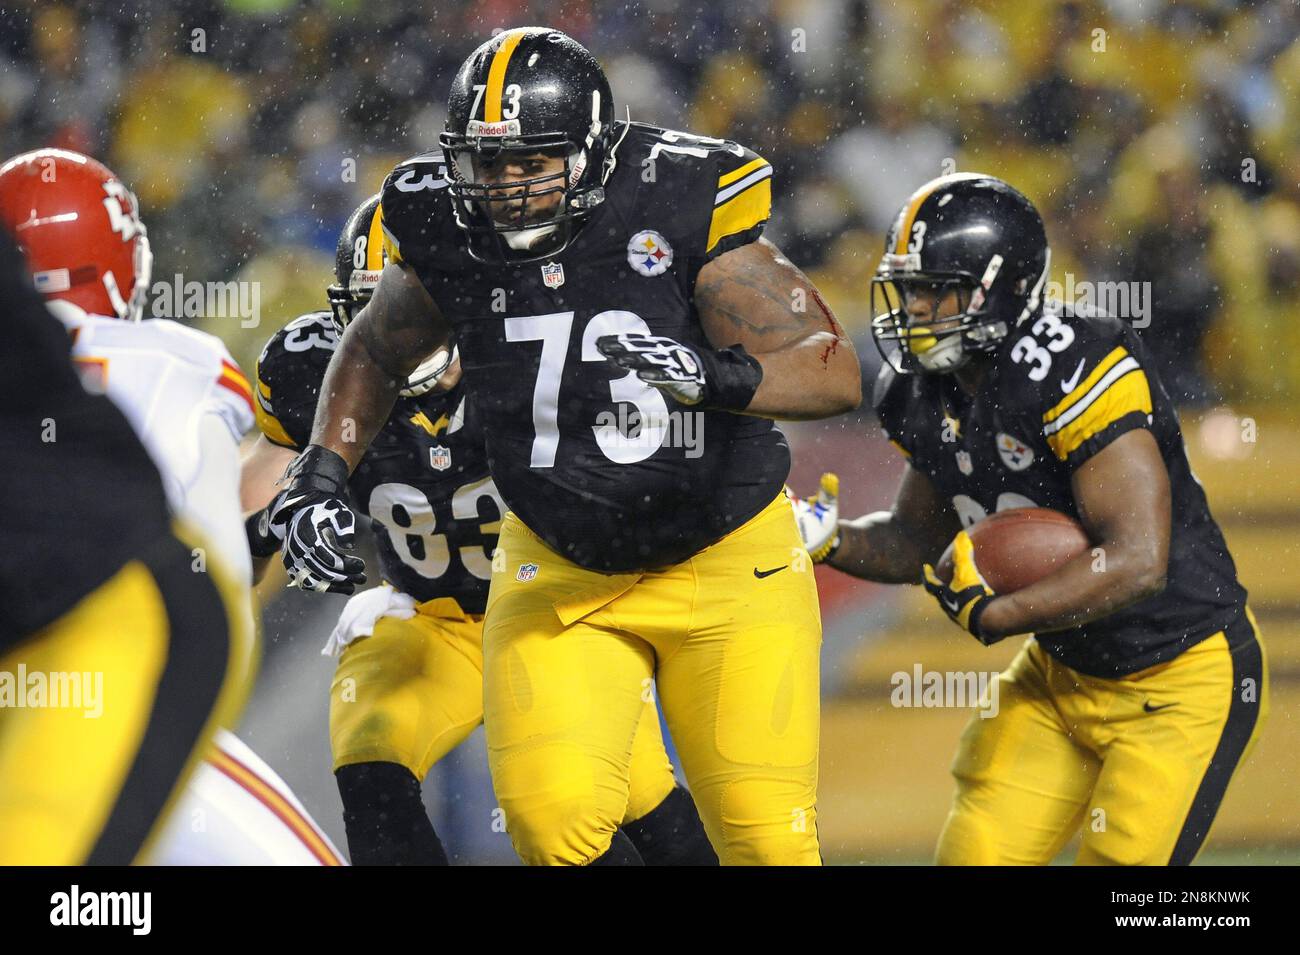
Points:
(1147, 707)
(952, 605)
(1068, 386)
(760, 574)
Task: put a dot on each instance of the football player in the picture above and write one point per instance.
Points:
(190, 404)
(1143, 684)
(97, 583)
(409, 683)
(627, 338)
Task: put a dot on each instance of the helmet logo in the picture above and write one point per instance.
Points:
(508, 127)
(649, 253)
(121, 210)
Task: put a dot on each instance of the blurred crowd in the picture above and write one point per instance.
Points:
(1160, 139)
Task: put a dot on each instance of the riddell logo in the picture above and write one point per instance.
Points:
(479, 128)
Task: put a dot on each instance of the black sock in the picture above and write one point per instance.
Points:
(671, 833)
(620, 852)
(385, 817)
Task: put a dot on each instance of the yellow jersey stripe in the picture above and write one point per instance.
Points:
(743, 211)
(392, 248)
(375, 241)
(497, 76)
(901, 450)
(1084, 387)
(1128, 394)
(728, 178)
(421, 420)
(267, 422)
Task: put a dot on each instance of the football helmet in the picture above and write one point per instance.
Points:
(527, 91)
(972, 234)
(80, 230)
(358, 263)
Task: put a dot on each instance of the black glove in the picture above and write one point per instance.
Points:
(725, 378)
(316, 526)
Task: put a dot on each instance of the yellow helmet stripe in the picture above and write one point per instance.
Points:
(375, 241)
(918, 199)
(497, 75)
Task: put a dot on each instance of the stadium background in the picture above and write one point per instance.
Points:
(1161, 141)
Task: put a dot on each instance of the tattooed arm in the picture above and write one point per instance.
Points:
(754, 296)
(399, 328)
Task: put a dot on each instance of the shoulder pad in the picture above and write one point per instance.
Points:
(289, 373)
(723, 188)
(414, 209)
(1078, 373)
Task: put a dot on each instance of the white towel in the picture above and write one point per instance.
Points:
(363, 611)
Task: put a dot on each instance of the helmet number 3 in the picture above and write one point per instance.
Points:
(1028, 350)
(918, 237)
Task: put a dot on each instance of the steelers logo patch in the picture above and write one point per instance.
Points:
(649, 253)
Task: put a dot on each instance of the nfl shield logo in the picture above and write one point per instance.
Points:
(439, 457)
(1015, 453)
(553, 274)
(964, 463)
(526, 572)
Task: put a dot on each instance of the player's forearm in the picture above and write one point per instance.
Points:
(816, 377)
(1094, 584)
(755, 297)
(877, 547)
(357, 396)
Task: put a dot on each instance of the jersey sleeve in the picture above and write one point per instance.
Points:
(742, 199)
(289, 373)
(234, 398)
(1101, 392)
(413, 210)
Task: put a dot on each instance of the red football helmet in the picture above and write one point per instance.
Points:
(80, 229)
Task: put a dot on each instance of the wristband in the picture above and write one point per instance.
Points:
(732, 375)
(318, 469)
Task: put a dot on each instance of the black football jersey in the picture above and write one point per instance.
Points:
(423, 482)
(1060, 390)
(610, 472)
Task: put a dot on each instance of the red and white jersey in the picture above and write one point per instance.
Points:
(237, 811)
(190, 404)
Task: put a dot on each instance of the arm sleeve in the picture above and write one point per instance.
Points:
(742, 200)
(1112, 397)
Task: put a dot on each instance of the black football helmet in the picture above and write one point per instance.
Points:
(968, 233)
(527, 91)
(358, 262)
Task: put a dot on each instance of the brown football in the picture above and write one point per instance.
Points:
(1019, 547)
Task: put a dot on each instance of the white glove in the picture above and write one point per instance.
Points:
(665, 363)
(819, 518)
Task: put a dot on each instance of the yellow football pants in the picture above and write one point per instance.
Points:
(413, 691)
(161, 656)
(570, 658)
(1140, 762)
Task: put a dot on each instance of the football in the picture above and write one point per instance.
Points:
(1021, 546)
